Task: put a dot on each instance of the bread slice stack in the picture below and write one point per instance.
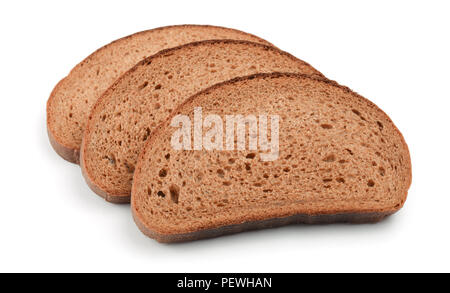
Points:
(316, 152)
(73, 97)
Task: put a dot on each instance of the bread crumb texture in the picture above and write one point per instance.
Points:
(339, 153)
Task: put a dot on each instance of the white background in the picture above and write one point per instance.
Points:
(395, 53)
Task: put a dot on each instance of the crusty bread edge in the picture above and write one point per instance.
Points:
(68, 153)
(111, 195)
(353, 218)
(72, 154)
(330, 217)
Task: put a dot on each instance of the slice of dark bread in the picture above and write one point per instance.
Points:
(128, 112)
(341, 159)
(73, 97)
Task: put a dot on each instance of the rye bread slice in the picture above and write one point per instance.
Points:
(128, 112)
(341, 159)
(73, 97)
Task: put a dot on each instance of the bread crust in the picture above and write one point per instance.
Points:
(351, 218)
(72, 153)
(330, 216)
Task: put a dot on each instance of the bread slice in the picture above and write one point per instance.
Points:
(341, 159)
(71, 100)
(128, 112)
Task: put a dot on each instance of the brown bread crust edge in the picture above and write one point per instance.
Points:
(352, 218)
(72, 154)
(328, 218)
(113, 198)
(125, 198)
(67, 153)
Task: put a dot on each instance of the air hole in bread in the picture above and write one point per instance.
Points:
(111, 158)
(129, 167)
(161, 194)
(349, 151)
(380, 125)
(371, 183)
(143, 85)
(147, 134)
(257, 184)
(251, 156)
(167, 156)
(329, 158)
(247, 167)
(359, 114)
(227, 183)
(325, 180)
(162, 173)
(174, 193)
(158, 87)
(381, 171)
(157, 106)
(326, 126)
(340, 180)
(231, 161)
(220, 173)
(149, 191)
(286, 169)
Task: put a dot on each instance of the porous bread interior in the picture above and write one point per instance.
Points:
(72, 99)
(126, 115)
(339, 153)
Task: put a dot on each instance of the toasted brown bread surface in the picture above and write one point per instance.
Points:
(341, 159)
(73, 97)
(128, 112)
